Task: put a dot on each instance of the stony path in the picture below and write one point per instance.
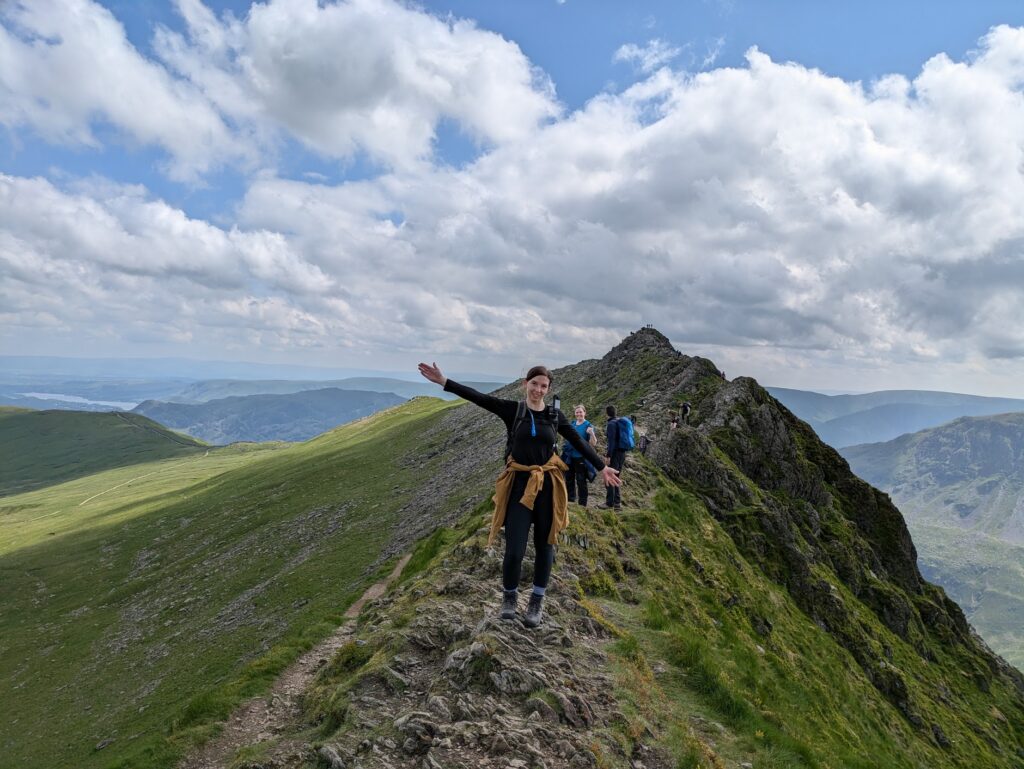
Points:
(461, 688)
(263, 718)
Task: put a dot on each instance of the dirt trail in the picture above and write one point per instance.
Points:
(262, 718)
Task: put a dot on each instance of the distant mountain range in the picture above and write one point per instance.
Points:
(211, 389)
(961, 487)
(110, 393)
(846, 420)
(295, 416)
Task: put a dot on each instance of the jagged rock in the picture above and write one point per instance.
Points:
(543, 709)
(499, 744)
(512, 681)
(438, 706)
(420, 731)
(564, 749)
(334, 757)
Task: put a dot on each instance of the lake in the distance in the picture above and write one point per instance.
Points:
(76, 399)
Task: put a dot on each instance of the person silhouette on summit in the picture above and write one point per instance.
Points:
(531, 490)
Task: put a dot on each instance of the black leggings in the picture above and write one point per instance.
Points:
(517, 532)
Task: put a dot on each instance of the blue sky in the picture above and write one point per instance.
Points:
(818, 194)
(574, 43)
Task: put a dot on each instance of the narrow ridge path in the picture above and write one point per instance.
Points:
(261, 718)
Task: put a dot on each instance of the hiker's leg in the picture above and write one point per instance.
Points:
(582, 484)
(517, 533)
(618, 460)
(543, 516)
(570, 481)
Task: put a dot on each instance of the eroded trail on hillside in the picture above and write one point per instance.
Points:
(263, 718)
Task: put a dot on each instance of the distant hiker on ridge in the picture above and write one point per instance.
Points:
(531, 489)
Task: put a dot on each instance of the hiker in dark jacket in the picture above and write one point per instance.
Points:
(531, 490)
(615, 457)
(578, 476)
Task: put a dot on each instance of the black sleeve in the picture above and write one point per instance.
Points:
(568, 432)
(503, 408)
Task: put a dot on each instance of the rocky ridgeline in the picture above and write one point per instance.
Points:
(789, 501)
(433, 679)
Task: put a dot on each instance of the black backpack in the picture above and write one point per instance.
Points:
(521, 416)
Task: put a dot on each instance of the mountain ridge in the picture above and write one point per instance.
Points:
(768, 584)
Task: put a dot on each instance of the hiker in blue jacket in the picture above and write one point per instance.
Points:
(615, 457)
(580, 471)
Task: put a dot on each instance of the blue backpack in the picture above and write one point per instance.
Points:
(627, 440)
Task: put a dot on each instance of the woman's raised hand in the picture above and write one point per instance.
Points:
(611, 476)
(433, 373)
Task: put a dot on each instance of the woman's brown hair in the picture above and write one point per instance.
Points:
(539, 371)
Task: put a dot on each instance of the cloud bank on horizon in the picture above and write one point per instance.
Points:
(775, 215)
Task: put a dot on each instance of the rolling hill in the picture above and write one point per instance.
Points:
(754, 604)
(40, 448)
(292, 417)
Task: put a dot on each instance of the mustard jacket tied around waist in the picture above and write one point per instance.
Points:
(559, 494)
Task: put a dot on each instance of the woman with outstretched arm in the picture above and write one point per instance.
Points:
(531, 490)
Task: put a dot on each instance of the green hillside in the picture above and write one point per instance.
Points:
(961, 486)
(142, 597)
(755, 603)
(40, 448)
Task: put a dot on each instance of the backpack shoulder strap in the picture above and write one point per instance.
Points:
(520, 416)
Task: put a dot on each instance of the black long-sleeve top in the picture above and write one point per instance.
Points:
(529, 449)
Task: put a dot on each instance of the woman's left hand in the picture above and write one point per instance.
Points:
(611, 476)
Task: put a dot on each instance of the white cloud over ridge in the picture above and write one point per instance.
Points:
(768, 210)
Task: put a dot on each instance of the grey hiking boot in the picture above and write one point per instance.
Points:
(533, 611)
(508, 604)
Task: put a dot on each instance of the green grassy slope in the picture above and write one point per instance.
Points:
(139, 604)
(39, 448)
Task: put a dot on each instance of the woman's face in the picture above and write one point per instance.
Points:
(537, 387)
(581, 413)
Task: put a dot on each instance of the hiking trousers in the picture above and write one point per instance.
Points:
(518, 519)
(613, 495)
(577, 482)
